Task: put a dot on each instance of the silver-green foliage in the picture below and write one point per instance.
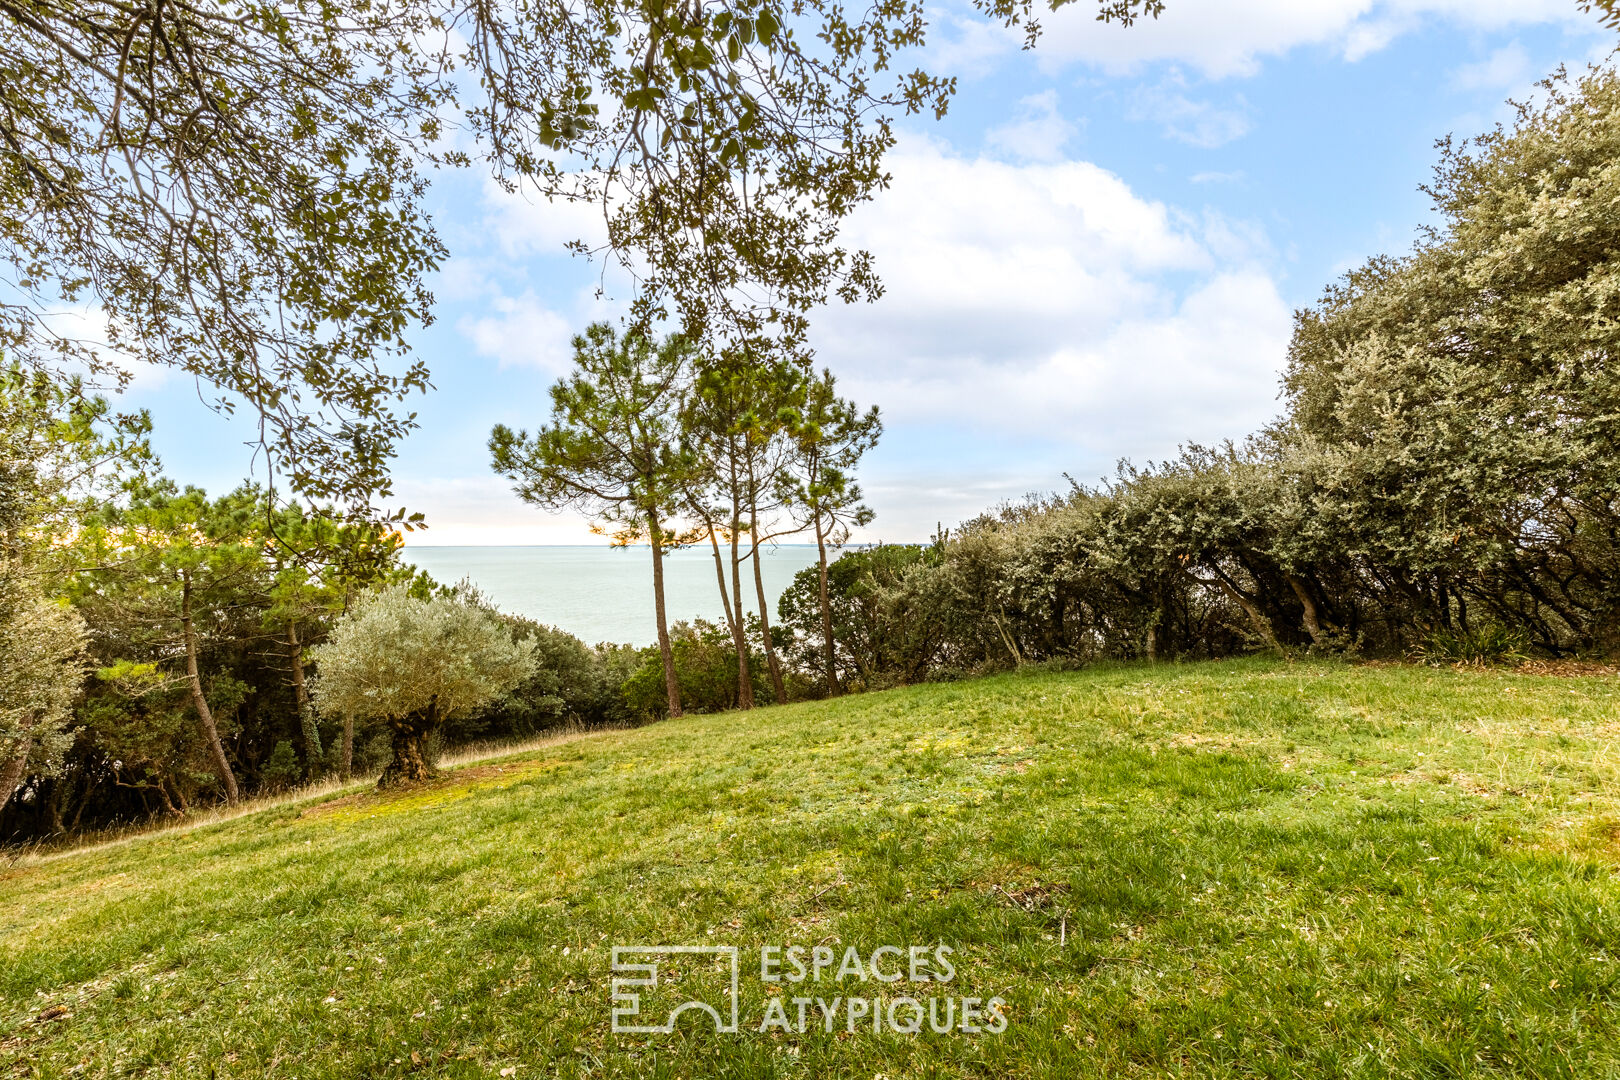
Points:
(396, 656)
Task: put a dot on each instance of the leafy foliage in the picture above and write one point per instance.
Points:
(415, 663)
(236, 190)
(1445, 481)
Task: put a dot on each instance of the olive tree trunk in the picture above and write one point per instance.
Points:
(410, 761)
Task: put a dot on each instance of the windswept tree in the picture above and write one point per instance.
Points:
(181, 568)
(828, 439)
(735, 415)
(613, 449)
(415, 663)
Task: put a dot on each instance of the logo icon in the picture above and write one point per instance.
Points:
(635, 969)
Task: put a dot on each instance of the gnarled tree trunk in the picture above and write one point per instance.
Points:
(410, 761)
(1313, 624)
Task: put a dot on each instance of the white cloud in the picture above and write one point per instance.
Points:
(86, 326)
(1221, 38)
(1038, 134)
(1197, 123)
(523, 223)
(1507, 67)
(1049, 305)
(483, 510)
(966, 44)
(522, 332)
(1236, 176)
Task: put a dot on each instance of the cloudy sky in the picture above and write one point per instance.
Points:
(1095, 256)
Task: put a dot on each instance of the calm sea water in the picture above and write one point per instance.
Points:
(605, 594)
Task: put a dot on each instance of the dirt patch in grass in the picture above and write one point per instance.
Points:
(442, 790)
(1568, 669)
(1558, 669)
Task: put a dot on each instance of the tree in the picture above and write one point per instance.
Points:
(415, 663)
(775, 390)
(829, 438)
(236, 189)
(1452, 413)
(56, 445)
(316, 562)
(41, 667)
(182, 567)
(613, 449)
(731, 427)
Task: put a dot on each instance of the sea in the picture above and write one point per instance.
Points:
(600, 593)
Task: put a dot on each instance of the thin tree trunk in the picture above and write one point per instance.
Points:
(348, 745)
(1006, 638)
(672, 686)
(764, 614)
(89, 788)
(178, 796)
(829, 655)
(720, 579)
(168, 803)
(205, 716)
(306, 714)
(755, 549)
(745, 677)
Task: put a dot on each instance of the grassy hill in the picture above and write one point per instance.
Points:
(1237, 869)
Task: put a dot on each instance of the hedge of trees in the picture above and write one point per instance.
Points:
(1444, 481)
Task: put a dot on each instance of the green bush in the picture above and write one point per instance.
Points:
(1483, 647)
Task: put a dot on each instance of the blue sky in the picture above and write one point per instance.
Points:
(1094, 256)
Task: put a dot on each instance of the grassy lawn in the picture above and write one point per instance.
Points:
(1241, 869)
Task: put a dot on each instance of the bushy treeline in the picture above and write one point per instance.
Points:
(1445, 479)
(185, 632)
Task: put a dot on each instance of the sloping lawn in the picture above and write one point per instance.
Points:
(1241, 869)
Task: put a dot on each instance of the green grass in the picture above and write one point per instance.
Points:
(1239, 869)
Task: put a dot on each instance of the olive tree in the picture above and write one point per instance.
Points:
(414, 663)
